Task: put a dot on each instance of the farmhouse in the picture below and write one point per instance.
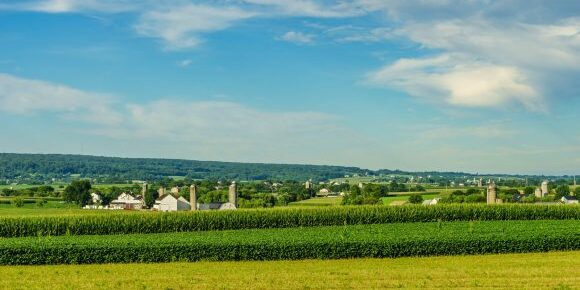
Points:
(127, 201)
(170, 202)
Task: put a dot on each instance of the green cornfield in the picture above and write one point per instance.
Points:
(333, 242)
(147, 222)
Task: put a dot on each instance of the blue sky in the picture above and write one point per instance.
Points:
(479, 86)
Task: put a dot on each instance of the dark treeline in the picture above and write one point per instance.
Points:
(43, 167)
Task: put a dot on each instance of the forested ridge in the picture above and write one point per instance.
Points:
(43, 166)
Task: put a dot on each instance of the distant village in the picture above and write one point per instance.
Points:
(167, 200)
(171, 200)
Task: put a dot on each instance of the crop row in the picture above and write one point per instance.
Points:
(387, 240)
(146, 222)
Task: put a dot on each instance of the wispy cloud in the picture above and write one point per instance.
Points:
(25, 96)
(184, 63)
(478, 62)
(297, 37)
(71, 6)
(308, 8)
(218, 130)
(181, 27)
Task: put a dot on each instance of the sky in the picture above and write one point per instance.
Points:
(477, 86)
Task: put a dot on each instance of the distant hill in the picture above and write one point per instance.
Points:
(39, 168)
(42, 167)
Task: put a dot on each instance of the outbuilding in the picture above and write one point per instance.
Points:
(569, 200)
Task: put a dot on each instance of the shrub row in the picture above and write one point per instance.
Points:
(147, 222)
(360, 241)
(10, 201)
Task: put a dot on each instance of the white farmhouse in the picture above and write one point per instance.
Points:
(127, 201)
(169, 202)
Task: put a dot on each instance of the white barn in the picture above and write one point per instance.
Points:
(168, 202)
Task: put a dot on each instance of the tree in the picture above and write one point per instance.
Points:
(78, 192)
(41, 202)
(529, 190)
(415, 199)
(577, 191)
(149, 197)
(562, 190)
(18, 202)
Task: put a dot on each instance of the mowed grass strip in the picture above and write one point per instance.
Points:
(148, 222)
(553, 270)
(359, 241)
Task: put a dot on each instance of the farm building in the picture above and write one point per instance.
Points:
(127, 201)
(323, 192)
(231, 204)
(169, 202)
(216, 206)
(569, 200)
(431, 201)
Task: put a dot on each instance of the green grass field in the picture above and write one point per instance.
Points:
(554, 270)
(318, 201)
(25, 186)
(389, 199)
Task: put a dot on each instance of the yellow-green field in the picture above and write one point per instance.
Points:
(318, 201)
(389, 199)
(556, 270)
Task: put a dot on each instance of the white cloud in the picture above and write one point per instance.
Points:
(374, 35)
(530, 46)
(297, 37)
(181, 27)
(69, 6)
(484, 63)
(216, 130)
(460, 82)
(306, 8)
(25, 96)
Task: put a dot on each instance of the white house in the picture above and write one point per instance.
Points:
(168, 202)
(127, 201)
(569, 200)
